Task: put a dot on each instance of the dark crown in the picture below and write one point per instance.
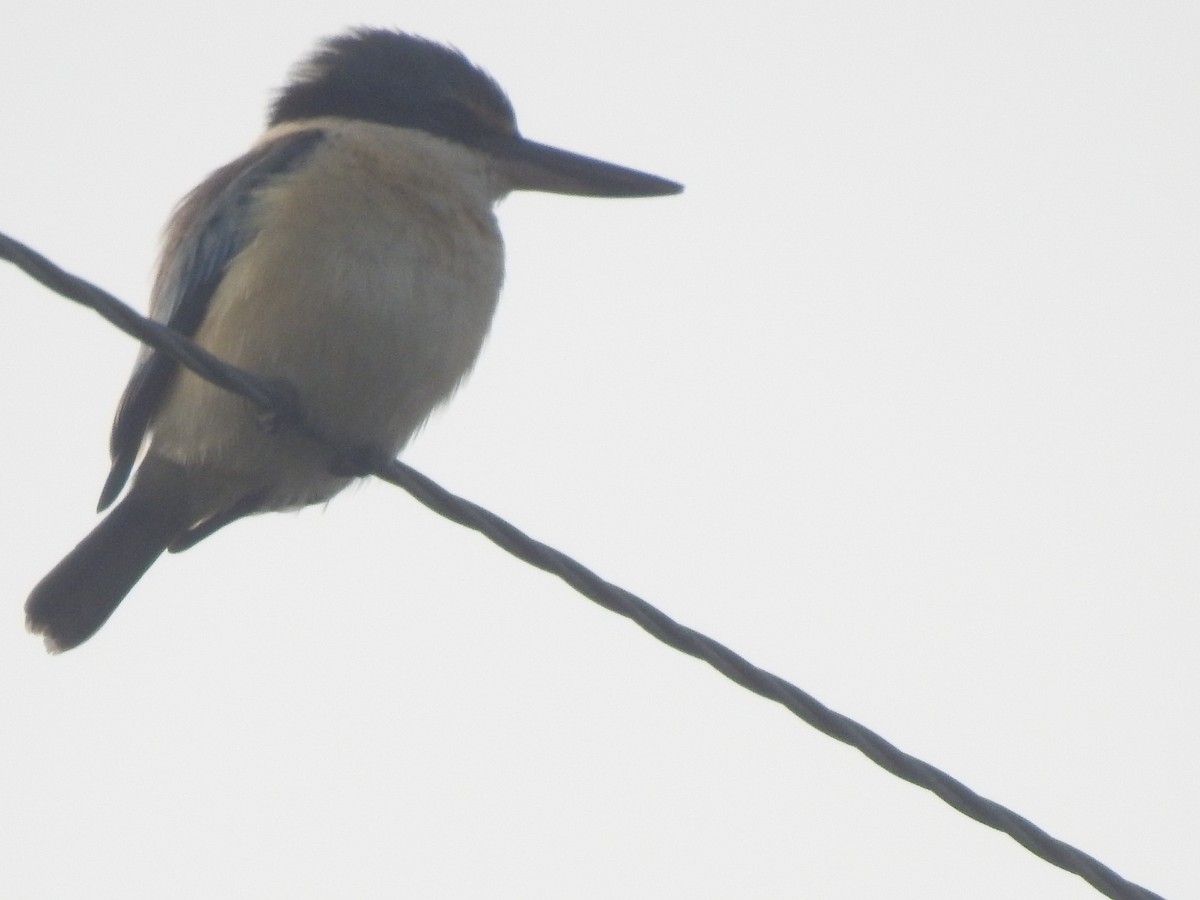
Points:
(392, 78)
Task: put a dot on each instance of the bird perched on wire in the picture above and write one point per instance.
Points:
(353, 255)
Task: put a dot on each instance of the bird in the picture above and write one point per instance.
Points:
(351, 256)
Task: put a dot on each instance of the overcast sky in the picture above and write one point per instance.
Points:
(898, 399)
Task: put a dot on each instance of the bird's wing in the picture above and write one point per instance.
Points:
(212, 225)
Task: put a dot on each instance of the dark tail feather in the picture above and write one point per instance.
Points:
(71, 603)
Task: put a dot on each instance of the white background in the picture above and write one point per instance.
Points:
(899, 400)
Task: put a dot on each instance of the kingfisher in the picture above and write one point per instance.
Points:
(353, 255)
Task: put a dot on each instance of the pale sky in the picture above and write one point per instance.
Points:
(898, 399)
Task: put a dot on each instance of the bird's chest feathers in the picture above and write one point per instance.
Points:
(372, 275)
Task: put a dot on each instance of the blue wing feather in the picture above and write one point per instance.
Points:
(213, 224)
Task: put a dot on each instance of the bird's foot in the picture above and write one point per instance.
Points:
(286, 408)
(358, 462)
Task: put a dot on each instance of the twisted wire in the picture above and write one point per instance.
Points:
(279, 402)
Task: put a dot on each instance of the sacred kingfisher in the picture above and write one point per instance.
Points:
(353, 255)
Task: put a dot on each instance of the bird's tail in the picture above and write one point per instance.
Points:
(71, 603)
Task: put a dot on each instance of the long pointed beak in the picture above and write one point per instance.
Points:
(531, 166)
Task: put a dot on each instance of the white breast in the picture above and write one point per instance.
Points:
(370, 287)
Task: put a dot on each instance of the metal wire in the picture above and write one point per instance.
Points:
(278, 402)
